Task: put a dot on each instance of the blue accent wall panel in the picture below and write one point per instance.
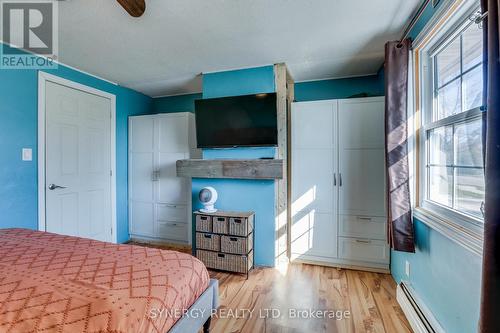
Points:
(372, 85)
(247, 195)
(445, 276)
(18, 129)
(179, 103)
(236, 194)
(239, 82)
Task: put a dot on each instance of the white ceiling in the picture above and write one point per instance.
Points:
(164, 51)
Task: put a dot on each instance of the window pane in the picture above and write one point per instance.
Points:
(448, 62)
(441, 185)
(449, 101)
(470, 191)
(469, 143)
(473, 88)
(441, 146)
(472, 46)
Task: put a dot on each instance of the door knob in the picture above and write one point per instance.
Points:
(52, 187)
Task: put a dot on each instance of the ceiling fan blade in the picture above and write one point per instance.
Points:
(134, 7)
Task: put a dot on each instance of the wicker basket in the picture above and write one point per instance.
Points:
(220, 225)
(227, 262)
(236, 245)
(208, 241)
(240, 226)
(203, 223)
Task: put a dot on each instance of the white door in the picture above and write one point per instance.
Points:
(314, 191)
(78, 163)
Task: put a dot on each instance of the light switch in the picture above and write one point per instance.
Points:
(27, 154)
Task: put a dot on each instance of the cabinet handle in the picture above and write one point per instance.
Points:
(220, 255)
(334, 179)
(364, 218)
(340, 179)
(208, 236)
(233, 239)
(363, 241)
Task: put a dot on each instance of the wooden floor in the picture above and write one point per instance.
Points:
(360, 301)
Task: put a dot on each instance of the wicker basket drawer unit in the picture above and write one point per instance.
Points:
(219, 225)
(203, 223)
(225, 240)
(226, 262)
(240, 226)
(236, 245)
(208, 241)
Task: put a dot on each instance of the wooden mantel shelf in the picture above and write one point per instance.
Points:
(236, 169)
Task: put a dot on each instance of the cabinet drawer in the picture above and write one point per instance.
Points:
(203, 223)
(226, 262)
(219, 225)
(174, 213)
(363, 227)
(173, 230)
(363, 250)
(240, 226)
(236, 245)
(207, 241)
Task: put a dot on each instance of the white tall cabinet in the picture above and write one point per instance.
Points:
(338, 183)
(159, 201)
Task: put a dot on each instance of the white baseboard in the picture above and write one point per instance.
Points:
(420, 318)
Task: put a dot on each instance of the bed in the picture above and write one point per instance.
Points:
(50, 282)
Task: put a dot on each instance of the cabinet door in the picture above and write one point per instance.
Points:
(314, 235)
(141, 134)
(172, 133)
(142, 218)
(141, 167)
(314, 194)
(313, 125)
(361, 123)
(314, 156)
(361, 157)
(170, 188)
(363, 182)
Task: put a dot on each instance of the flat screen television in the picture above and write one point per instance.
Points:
(240, 121)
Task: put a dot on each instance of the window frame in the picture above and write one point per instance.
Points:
(465, 228)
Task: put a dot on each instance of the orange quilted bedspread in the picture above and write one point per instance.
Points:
(54, 283)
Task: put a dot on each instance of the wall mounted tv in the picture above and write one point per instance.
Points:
(240, 121)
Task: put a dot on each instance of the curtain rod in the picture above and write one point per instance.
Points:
(414, 20)
(477, 18)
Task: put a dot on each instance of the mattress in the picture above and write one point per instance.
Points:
(54, 283)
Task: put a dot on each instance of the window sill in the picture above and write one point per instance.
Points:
(469, 239)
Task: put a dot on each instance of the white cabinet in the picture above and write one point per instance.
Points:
(159, 201)
(338, 183)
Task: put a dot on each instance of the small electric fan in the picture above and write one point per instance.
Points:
(208, 197)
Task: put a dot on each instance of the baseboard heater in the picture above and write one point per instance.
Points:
(420, 318)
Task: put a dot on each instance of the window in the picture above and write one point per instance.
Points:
(453, 130)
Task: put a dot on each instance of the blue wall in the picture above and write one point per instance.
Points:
(243, 195)
(445, 275)
(364, 86)
(18, 129)
(179, 103)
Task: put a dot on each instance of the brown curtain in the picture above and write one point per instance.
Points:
(400, 225)
(490, 293)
